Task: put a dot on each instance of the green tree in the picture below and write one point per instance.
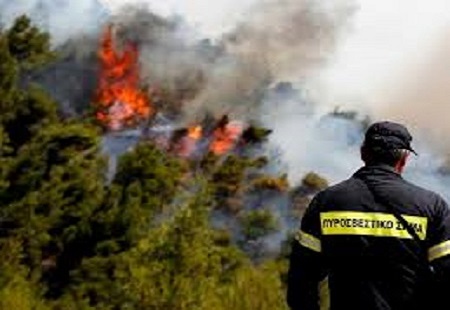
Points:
(9, 74)
(33, 111)
(28, 44)
(229, 181)
(180, 265)
(55, 185)
(16, 291)
(5, 160)
(24, 111)
(255, 287)
(147, 181)
(314, 182)
(258, 223)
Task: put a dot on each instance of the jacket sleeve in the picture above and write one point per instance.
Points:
(306, 263)
(439, 251)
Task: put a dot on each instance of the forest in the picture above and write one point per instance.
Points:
(162, 231)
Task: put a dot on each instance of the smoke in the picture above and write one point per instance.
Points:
(392, 65)
(422, 96)
(310, 140)
(277, 40)
(328, 143)
(62, 18)
(290, 37)
(171, 59)
(230, 74)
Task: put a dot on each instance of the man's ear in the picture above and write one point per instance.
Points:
(400, 166)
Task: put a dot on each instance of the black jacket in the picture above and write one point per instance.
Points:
(352, 253)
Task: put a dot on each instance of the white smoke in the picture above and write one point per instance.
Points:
(393, 64)
(210, 19)
(62, 18)
(276, 40)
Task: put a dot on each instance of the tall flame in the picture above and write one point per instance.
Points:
(120, 101)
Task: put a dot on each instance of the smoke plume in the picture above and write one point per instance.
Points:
(392, 65)
(278, 40)
(422, 96)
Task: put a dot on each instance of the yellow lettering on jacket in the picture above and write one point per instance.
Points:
(371, 224)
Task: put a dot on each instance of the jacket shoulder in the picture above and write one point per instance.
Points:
(424, 195)
(343, 190)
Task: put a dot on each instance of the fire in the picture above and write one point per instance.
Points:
(218, 136)
(120, 101)
(189, 143)
(184, 141)
(195, 132)
(225, 137)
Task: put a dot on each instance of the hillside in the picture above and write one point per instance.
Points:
(185, 218)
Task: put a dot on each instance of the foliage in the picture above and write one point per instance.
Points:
(255, 288)
(280, 184)
(28, 44)
(33, 110)
(147, 170)
(233, 178)
(258, 223)
(55, 185)
(16, 291)
(23, 46)
(314, 182)
(254, 134)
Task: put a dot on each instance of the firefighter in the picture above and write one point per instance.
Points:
(374, 241)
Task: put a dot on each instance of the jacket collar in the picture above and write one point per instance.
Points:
(377, 169)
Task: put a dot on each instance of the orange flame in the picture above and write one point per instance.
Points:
(195, 132)
(120, 100)
(225, 137)
(188, 144)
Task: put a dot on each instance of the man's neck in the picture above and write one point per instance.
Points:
(384, 167)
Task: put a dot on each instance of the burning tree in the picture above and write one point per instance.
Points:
(120, 101)
(225, 135)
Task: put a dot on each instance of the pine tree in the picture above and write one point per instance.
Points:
(23, 47)
(9, 74)
(55, 186)
(28, 44)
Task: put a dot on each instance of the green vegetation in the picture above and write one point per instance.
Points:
(314, 182)
(258, 223)
(69, 239)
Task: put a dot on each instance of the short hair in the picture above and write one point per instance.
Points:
(382, 156)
